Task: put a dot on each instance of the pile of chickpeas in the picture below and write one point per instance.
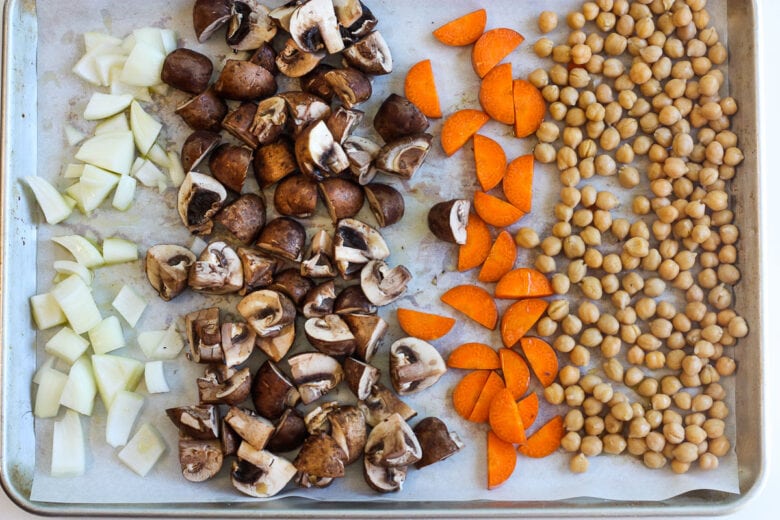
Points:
(634, 94)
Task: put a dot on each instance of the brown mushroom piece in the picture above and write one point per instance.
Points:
(360, 377)
(217, 271)
(304, 109)
(355, 244)
(273, 162)
(196, 421)
(342, 122)
(399, 117)
(361, 153)
(260, 473)
(229, 164)
(307, 481)
(447, 220)
(270, 119)
(382, 284)
(244, 217)
(382, 403)
(204, 335)
(370, 55)
(317, 420)
(231, 391)
(384, 479)
(348, 429)
(200, 460)
(276, 347)
(294, 62)
(208, 16)
(414, 365)
(405, 155)
(249, 26)
(318, 301)
(291, 283)
(197, 146)
(343, 198)
(265, 56)
(204, 111)
(200, 198)
(330, 335)
(351, 86)
(318, 154)
(321, 456)
(361, 27)
(318, 261)
(352, 300)
(167, 268)
(229, 439)
(436, 440)
(272, 391)
(283, 237)
(258, 269)
(238, 123)
(249, 426)
(243, 81)
(313, 25)
(296, 196)
(290, 432)
(314, 82)
(392, 443)
(386, 203)
(348, 11)
(187, 70)
(315, 374)
(368, 329)
(266, 311)
(238, 343)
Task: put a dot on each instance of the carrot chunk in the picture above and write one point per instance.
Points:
(420, 89)
(464, 30)
(504, 419)
(545, 441)
(459, 127)
(500, 260)
(528, 407)
(523, 282)
(495, 94)
(475, 302)
(477, 246)
(474, 356)
(495, 211)
(424, 325)
(466, 392)
(490, 161)
(529, 108)
(501, 460)
(542, 358)
(481, 409)
(515, 371)
(518, 181)
(519, 318)
(492, 47)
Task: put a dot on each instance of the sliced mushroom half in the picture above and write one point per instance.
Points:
(321, 456)
(382, 284)
(368, 329)
(272, 391)
(249, 426)
(351, 86)
(283, 237)
(296, 196)
(232, 391)
(274, 162)
(361, 153)
(197, 146)
(249, 26)
(304, 108)
(405, 155)
(447, 220)
(348, 429)
(238, 343)
(276, 347)
(318, 302)
(217, 271)
(200, 198)
(200, 460)
(414, 365)
(318, 261)
(204, 335)
(348, 11)
(315, 374)
(383, 479)
(204, 111)
(361, 27)
(294, 62)
(266, 311)
(330, 335)
(258, 269)
(318, 154)
(386, 203)
(356, 244)
(313, 26)
(260, 473)
(398, 117)
(343, 198)
(167, 268)
(196, 421)
(381, 403)
(352, 300)
(208, 16)
(270, 119)
(342, 122)
(243, 80)
(229, 164)
(392, 443)
(360, 377)
(436, 440)
(370, 55)
(290, 432)
(291, 283)
(318, 419)
(244, 217)
(238, 123)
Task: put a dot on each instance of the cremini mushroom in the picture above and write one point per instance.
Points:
(382, 403)
(204, 335)
(167, 268)
(404, 156)
(243, 80)
(414, 365)
(232, 390)
(290, 432)
(342, 122)
(291, 283)
(348, 11)
(258, 269)
(274, 162)
(244, 217)
(386, 203)
(238, 343)
(348, 429)
(352, 300)
(229, 164)
(318, 154)
(238, 123)
(266, 311)
(351, 86)
(356, 243)
(200, 460)
(294, 62)
(208, 16)
(360, 377)
(368, 329)
(217, 271)
(270, 119)
(447, 220)
(265, 56)
(317, 419)
(343, 198)
(187, 70)
(260, 473)
(276, 347)
(314, 82)
(392, 443)
(370, 55)
(360, 27)
(249, 426)
(399, 117)
(283, 237)
(361, 153)
(200, 198)
(204, 111)
(436, 441)
(330, 335)
(199, 421)
(272, 391)
(313, 25)
(383, 479)
(315, 374)
(249, 26)
(383, 284)
(319, 300)
(228, 438)
(304, 108)
(321, 456)
(197, 146)
(318, 260)
(296, 196)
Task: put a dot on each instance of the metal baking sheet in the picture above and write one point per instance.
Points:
(18, 361)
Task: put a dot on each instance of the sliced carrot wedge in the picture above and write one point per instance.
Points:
(492, 47)
(545, 441)
(515, 370)
(519, 318)
(495, 211)
(474, 356)
(500, 260)
(466, 392)
(420, 89)
(501, 460)
(495, 94)
(528, 407)
(490, 161)
(481, 409)
(424, 325)
(477, 247)
(529, 108)
(518, 182)
(475, 302)
(504, 419)
(464, 30)
(542, 358)
(523, 282)
(459, 127)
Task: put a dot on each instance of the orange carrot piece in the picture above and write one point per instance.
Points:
(523, 282)
(464, 30)
(495, 94)
(495, 211)
(501, 460)
(542, 358)
(474, 356)
(466, 392)
(420, 89)
(424, 325)
(477, 246)
(481, 409)
(528, 408)
(475, 302)
(515, 371)
(504, 419)
(529, 108)
(459, 127)
(519, 318)
(490, 161)
(545, 441)
(500, 260)
(492, 47)
(518, 181)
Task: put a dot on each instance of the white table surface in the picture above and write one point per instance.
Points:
(764, 503)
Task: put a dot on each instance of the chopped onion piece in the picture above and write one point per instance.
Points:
(75, 300)
(145, 128)
(170, 345)
(107, 336)
(118, 250)
(54, 207)
(66, 345)
(73, 135)
(82, 249)
(94, 186)
(149, 340)
(124, 193)
(69, 267)
(102, 105)
(73, 171)
(68, 457)
(46, 311)
(96, 39)
(175, 168)
(158, 156)
(150, 175)
(129, 305)
(47, 399)
(143, 450)
(116, 123)
(143, 65)
(80, 390)
(46, 365)
(154, 378)
(121, 416)
(114, 374)
(113, 151)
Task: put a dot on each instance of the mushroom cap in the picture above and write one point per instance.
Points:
(200, 422)
(244, 217)
(386, 203)
(392, 443)
(314, 82)
(436, 440)
(356, 243)
(204, 111)
(342, 122)
(370, 55)
(259, 270)
(272, 391)
(229, 164)
(404, 156)
(318, 154)
(217, 271)
(291, 283)
(252, 428)
(383, 479)
(238, 343)
(238, 123)
(267, 311)
(318, 261)
(360, 377)
(321, 456)
(304, 109)
(330, 335)
(414, 365)
(315, 373)
(348, 429)
(270, 119)
(294, 62)
(283, 237)
(204, 335)
(197, 146)
(200, 198)
(296, 196)
(243, 80)
(250, 26)
(343, 198)
(260, 473)
(167, 268)
(383, 285)
(352, 300)
(290, 432)
(187, 70)
(368, 329)
(276, 347)
(200, 460)
(232, 391)
(265, 56)
(274, 161)
(313, 25)
(361, 153)
(208, 16)
(360, 27)
(447, 220)
(351, 86)
(382, 403)
(319, 300)
(399, 117)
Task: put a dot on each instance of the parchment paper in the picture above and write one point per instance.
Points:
(407, 27)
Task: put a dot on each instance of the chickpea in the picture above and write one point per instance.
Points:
(526, 237)
(708, 462)
(571, 442)
(564, 343)
(719, 446)
(614, 444)
(609, 282)
(636, 446)
(545, 264)
(579, 356)
(544, 153)
(574, 395)
(560, 283)
(578, 463)
(548, 21)
(554, 394)
(591, 446)
(543, 47)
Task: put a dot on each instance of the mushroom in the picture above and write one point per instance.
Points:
(187, 70)
(318, 301)
(304, 108)
(352, 300)
(361, 27)
(317, 419)
(342, 122)
(196, 421)
(290, 282)
(197, 146)
(307, 481)
(265, 56)
(436, 440)
(272, 392)
(382, 479)
(260, 473)
(274, 162)
(355, 244)
(343, 198)
(244, 217)
(314, 82)
(229, 439)
(238, 343)
(392, 443)
(294, 62)
(204, 111)
(348, 429)
(386, 203)
(249, 26)
(348, 11)
(361, 153)
(360, 377)
(351, 86)
(231, 391)
(204, 335)
(270, 119)
(283, 13)
(276, 347)
(368, 329)
(258, 269)
(290, 432)
(370, 55)
(200, 198)
(414, 365)
(167, 267)
(266, 311)
(200, 460)
(315, 374)
(318, 261)
(217, 271)
(318, 154)
(399, 117)
(321, 456)
(330, 335)
(243, 80)
(239, 121)
(447, 220)
(208, 16)
(382, 403)
(404, 156)
(250, 427)
(296, 196)
(313, 25)
(283, 237)
(383, 285)
(229, 164)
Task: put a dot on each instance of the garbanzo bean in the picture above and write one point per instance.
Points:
(571, 442)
